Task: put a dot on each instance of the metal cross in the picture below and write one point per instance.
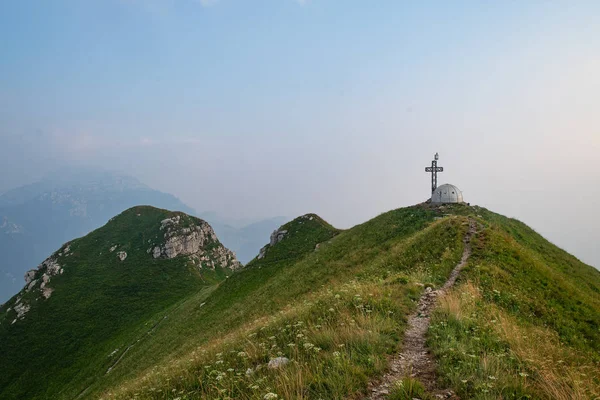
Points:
(434, 169)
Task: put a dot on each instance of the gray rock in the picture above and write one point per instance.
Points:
(31, 285)
(122, 255)
(277, 236)
(29, 276)
(278, 362)
(193, 241)
(50, 267)
(263, 252)
(170, 221)
(46, 292)
(21, 309)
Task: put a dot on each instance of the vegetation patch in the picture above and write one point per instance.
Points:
(485, 353)
(328, 346)
(346, 329)
(523, 322)
(409, 389)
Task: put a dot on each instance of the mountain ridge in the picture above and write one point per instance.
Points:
(335, 305)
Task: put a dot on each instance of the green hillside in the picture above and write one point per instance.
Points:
(98, 306)
(295, 274)
(524, 322)
(329, 306)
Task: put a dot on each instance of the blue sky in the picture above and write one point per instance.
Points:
(280, 107)
(126, 59)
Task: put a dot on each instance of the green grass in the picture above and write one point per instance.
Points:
(409, 389)
(335, 341)
(318, 289)
(335, 310)
(525, 323)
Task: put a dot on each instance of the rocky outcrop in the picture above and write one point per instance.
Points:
(38, 279)
(49, 268)
(263, 252)
(122, 255)
(31, 285)
(21, 308)
(29, 276)
(193, 238)
(277, 236)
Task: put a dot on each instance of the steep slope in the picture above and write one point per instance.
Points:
(86, 305)
(36, 219)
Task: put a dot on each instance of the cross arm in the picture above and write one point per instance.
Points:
(437, 169)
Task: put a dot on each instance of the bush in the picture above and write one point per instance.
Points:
(409, 389)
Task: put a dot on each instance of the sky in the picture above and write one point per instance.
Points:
(281, 107)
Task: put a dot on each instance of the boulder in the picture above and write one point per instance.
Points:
(278, 362)
(277, 236)
(29, 276)
(21, 309)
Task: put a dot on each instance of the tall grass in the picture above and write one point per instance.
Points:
(335, 341)
(409, 389)
(485, 353)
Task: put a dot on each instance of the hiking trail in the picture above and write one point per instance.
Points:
(415, 360)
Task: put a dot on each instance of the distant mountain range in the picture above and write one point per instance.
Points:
(38, 218)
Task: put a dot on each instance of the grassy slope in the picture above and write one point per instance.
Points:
(525, 321)
(337, 311)
(525, 288)
(385, 259)
(99, 304)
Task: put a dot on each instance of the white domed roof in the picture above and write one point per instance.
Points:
(447, 194)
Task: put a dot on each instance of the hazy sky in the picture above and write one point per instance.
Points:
(281, 107)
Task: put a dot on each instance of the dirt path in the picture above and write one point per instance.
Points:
(414, 360)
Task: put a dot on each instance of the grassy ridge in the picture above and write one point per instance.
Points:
(382, 262)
